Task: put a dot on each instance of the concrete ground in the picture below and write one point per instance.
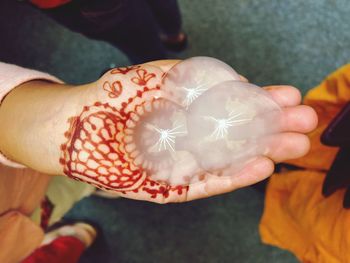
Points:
(295, 42)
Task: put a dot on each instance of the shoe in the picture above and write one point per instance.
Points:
(175, 43)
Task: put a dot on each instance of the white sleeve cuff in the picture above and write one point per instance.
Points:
(10, 77)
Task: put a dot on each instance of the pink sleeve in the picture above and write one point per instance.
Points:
(10, 77)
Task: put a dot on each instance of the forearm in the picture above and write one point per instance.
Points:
(31, 118)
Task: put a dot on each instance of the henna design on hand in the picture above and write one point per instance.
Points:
(155, 188)
(142, 77)
(99, 149)
(114, 89)
(92, 152)
(124, 70)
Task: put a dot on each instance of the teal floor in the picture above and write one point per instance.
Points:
(295, 42)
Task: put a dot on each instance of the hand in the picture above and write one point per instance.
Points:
(82, 132)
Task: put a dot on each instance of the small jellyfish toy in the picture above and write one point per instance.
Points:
(207, 121)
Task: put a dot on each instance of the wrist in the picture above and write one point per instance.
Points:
(28, 115)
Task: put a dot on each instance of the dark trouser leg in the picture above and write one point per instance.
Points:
(127, 24)
(167, 14)
(137, 35)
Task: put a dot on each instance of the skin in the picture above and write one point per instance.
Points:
(44, 121)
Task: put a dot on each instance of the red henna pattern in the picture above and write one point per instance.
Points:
(114, 89)
(155, 188)
(92, 151)
(96, 140)
(142, 77)
(124, 70)
(95, 149)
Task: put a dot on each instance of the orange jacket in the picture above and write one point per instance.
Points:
(296, 216)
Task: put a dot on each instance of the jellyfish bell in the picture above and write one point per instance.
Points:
(187, 80)
(157, 130)
(230, 124)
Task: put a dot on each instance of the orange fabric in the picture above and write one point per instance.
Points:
(296, 216)
(21, 191)
(49, 3)
(327, 99)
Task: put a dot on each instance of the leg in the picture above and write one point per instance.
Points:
(128, 25)
(168, 15)
(137, 35)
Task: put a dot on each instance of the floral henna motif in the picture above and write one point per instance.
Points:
(124, 70)
(142, 77)
(114, 89)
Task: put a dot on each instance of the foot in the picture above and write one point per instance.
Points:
(176, 43)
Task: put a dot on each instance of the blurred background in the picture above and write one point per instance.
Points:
(296, 42)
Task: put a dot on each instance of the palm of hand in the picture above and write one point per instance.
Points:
(99, 148)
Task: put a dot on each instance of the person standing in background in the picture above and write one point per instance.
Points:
(143, 29)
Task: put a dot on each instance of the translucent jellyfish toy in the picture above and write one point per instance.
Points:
(207, 121)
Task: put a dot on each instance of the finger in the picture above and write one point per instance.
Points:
(300, 118)
(286, 146)
(285, 96)
(244, 79)
(255, 171)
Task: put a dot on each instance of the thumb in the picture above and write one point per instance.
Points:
(164, 65)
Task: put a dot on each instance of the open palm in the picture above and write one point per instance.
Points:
(100, 147)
